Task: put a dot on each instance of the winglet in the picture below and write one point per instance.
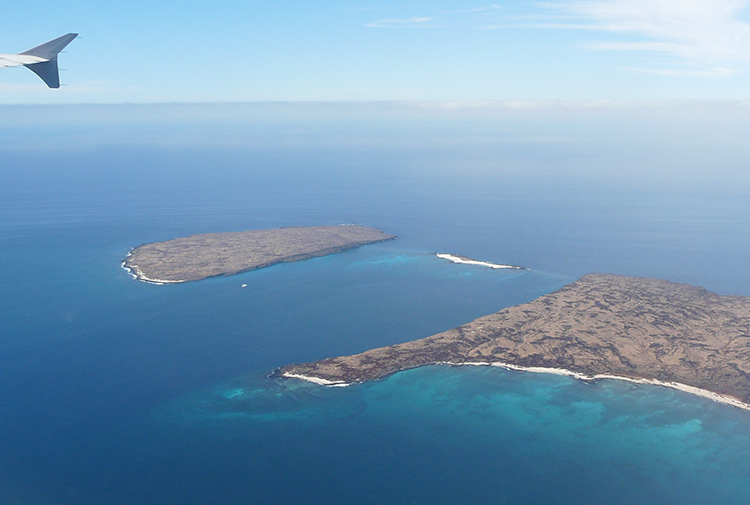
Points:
(49, 50)
(48, 70)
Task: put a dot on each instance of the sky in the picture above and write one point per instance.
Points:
(133, 51)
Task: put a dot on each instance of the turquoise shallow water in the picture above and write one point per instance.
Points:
(119, 392)
(506, 437)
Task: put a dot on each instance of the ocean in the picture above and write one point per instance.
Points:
(120, 392)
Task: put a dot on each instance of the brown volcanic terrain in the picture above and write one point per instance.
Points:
(211, 254)
(600, 324)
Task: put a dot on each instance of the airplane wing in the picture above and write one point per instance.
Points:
(49, 50)
(5, 61)
(42, 60)
(15, 60)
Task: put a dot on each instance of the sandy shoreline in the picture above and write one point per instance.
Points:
(727, 400)
(468, 261)
(315, 380)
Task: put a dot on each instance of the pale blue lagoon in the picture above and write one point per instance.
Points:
(119, 392)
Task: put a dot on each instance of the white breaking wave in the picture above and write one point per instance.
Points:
(727, 400)
(468, 261)
(316, 380)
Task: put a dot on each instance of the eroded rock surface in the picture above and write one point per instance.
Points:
(600, 324)
(207, 255)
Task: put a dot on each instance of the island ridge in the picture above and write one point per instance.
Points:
(602, 325)
(207, 255)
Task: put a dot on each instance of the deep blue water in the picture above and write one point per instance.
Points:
(119, 392)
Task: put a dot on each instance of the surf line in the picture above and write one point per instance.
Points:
(704, 393)
(138, 275)
(468, 261)
(717, 397)
(316, 380)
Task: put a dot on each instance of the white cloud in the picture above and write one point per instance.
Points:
(386, 23)
(692, 38)
(485, 9)
(702, 31)
(711, 72)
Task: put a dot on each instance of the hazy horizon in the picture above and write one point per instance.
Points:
(565, 136)
(363, 50)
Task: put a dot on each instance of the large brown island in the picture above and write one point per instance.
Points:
(602, 325)
(208, 255)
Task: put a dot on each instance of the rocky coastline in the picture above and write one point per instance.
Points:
(600, 327)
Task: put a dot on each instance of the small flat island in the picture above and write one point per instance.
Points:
(208, 255)
(601, 326)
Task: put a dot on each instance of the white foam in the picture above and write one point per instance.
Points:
(316, 380)
(139, 275)
(728, 400)
(466, 261)
(128, 270)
